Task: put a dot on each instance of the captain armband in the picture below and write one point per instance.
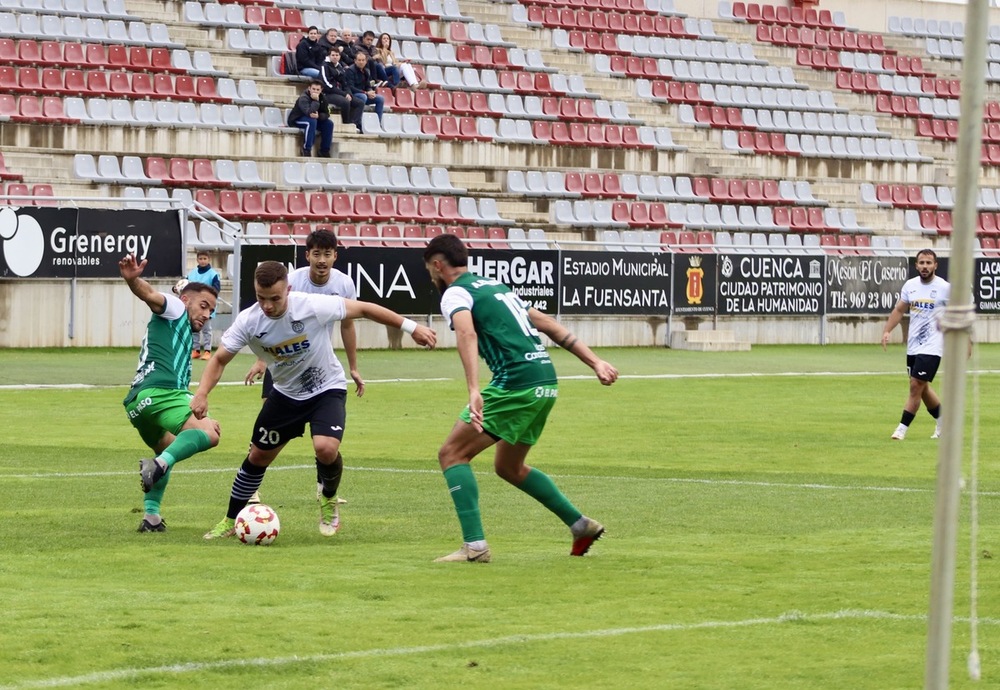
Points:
(568, 342)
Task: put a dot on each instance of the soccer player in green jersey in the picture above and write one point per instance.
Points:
(491, 320)
(158, 403)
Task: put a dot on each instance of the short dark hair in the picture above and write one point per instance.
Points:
(201, 252)
(315, 82)
(450, 247)
(929, 252)
(321, 239)
(268, 273)
(195, 286)
(312, 28)
(368, 33)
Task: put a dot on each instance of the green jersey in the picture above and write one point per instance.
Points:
(165, 354)
(508, 341)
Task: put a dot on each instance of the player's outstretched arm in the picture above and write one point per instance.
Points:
(606, 373)
(894, 318)
(131, 271)
(422, 335)
(209, 379)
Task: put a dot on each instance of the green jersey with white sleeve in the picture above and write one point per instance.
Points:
(508, 342)
(165, 353)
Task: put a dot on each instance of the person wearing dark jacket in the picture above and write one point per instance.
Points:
(309, 54)
(376, 72)
(328, 40)
(311, 113)
(361, 86)
(338, 94)
(348, 48)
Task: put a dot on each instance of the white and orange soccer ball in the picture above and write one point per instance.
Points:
(257, 524)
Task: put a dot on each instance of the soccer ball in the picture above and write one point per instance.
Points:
(179, 285)
(257, 524)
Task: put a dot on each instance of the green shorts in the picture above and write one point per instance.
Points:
(156, 411)
(516, 416)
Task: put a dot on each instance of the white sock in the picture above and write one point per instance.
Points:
(154, 520)
(480, 545)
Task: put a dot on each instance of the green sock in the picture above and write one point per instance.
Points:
(152, 499)
(465, 494)
(187, 443)
(540, 487)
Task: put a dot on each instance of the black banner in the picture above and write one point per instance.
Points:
(614, 283)
(986, 285)
(864, 284)
(694, 284)
(533, 276)
(43, 242)
(770, 285)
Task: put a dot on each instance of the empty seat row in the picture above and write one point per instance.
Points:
(778, 243)
(364, 235)
(756, 13)
(651, 7)
(84, 55)
(824, 146)
(695, 71)
(108, 9)
(930, 222)
(618, 22)
(131, 170)
(519, 131)
(34, 109)
(929, 196)
(807, 122)
(20, 194)
(563, 108)
(473, 79)
(823, 40)
(874, 62)
(253, 205)
(947, 130)
(927, 28)
(476, 33)
(676, 49)
(50, 26)
(125, 113)
(370, 178)
(554, 183)
(74, 82)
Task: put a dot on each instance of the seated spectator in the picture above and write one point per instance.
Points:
(337, 92)
(394, 67)
(309, 55)
(375, 70)
(361, 85)
(311, 113)
(329, 39)
(348, 48)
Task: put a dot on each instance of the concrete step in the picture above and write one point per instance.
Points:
(708, 341)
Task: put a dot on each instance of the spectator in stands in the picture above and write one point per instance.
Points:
(394, 67)
(361, 85)
(204, 273)
(348, 48)
(329, 39)
(311, 113)
(309, 55)
(338, 93)
(376, 71)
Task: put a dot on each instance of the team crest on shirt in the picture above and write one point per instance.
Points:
(298, 326)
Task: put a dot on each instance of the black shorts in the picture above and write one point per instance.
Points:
(281, 418)
(922, 367)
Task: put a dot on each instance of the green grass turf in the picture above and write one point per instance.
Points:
(763, 532)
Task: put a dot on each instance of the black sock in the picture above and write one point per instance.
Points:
(907, 418)
(248, 479)
(329, 475)
(936, 412)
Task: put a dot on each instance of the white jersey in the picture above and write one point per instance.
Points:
(337, 284)
(926, 301)
(296, 345)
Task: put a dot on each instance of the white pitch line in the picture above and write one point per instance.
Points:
(489, 643)
(573, 377)
(596, 477)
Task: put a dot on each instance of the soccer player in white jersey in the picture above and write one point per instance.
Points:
(321, 278)
(291, 332)
(924, 297)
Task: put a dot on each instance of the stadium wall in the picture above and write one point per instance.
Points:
(106, 314)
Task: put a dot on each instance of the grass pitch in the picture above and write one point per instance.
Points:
(763, 532)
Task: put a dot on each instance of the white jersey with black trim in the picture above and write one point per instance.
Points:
(337, 284)
(296, 345)
(926, 301)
